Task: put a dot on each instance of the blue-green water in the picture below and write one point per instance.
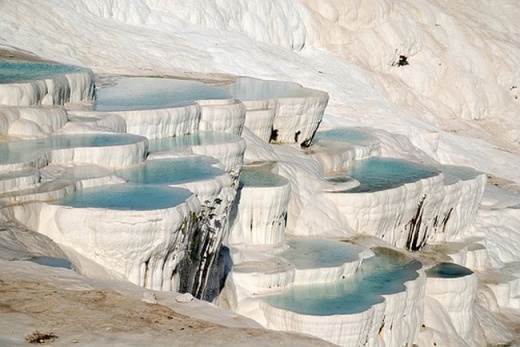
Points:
(53, 262)
(350, 135)
(312, 253)
(127, 197)
(248, 89)
(383, 274)
(23, 150)
(201, 138)
(172, 171)
(448, 270)
(462, 172)
(377, 174)
(261, 176)
(140, 93)
(12, 71)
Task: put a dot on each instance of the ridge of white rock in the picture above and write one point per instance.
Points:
(455, 288)
(72, 84)
(261, 207)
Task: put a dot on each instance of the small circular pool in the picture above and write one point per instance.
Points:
(448, 270)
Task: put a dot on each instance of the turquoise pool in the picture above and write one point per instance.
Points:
(23, 150)
(376, 174)
(14, 71)
(448, 270)
(261, 176)
(142, 93)
(385, 273)
(125, 197)
(313, 253)
(172, 171)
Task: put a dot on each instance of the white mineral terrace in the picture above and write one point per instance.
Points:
(145, 179)
(349, 310)
(262, 203)
(337, 149)
(28, 83)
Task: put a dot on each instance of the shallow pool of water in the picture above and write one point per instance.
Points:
(201, 138)
(14, 71)
(312, 253)
(172, 171)
(141, 93)
(385, 273)
(448, 270)
(53, 262)
(127, 197)
(461, 172)
(261, 176)
(350, 135)
(247, 89)
(23, 150)
(377, 174)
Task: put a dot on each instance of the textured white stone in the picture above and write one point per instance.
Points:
(222, 115)
(337, 156)
(19, 180)
(63, 88)
(141, 247)
(31, 122)
(156, 123)
(261, 215)
(260, 122)
(391, 323)
(457, 296)
(387, 213)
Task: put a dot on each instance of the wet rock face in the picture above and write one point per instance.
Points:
(203, 248)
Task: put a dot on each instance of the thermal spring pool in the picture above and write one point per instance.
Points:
(448, 270)
(349, 135)
(172, 171)
(313, 253)
(247, 89)
(53, 262)
(201, 138)
(145, 93)
(131, 197)
(376, 174)
(261, 176)
(26, 150)
(385, 273)
(24, 71)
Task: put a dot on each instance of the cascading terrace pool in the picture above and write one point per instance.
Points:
(15, 71)
(383, 274)
(376, 174)
(146, 93)
(131, 197)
